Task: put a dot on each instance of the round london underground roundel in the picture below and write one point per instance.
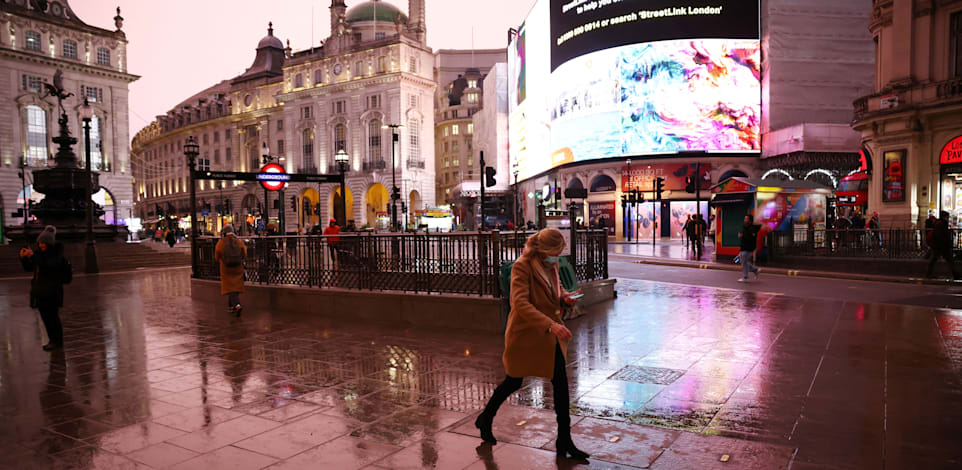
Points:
(273, 177)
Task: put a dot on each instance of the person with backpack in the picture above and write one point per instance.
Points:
(50, 272)
(230, 252)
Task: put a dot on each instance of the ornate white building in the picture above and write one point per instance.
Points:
(39, 37)
(302, 107)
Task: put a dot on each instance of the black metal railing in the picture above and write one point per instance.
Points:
(865, 243)
(454, 263)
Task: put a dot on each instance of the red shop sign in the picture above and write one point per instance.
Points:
(952, 152)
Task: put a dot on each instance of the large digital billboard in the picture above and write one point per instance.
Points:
(592, 79)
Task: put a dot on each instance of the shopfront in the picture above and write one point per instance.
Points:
(950, 181)
(666, 219)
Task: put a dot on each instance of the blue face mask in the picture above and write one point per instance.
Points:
(551, 260)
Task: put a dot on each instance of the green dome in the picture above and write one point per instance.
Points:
(365, 12)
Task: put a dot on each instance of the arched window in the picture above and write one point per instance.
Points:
(602, 184)
(103, 56)
(318, 77)
(576, 184)
(340, 138)
(36, 126)
(414, 140)
(32, 42)
(298, 81)
(307, 138)
(374, 141)
(96, 140)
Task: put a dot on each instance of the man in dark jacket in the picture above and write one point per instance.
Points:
(749, 241)
(942, 245)
(46, 289)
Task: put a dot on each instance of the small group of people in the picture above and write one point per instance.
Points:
(938, 239)
(695, 230)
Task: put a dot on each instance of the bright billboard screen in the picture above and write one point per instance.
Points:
(592, 79)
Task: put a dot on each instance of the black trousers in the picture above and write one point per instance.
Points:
(947, 256)
(233, 298)
(51, 321)
(333, 250)
(559, 383)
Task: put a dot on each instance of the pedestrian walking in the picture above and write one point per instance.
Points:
(536, 339)
(874, 227)
(700, 229)
(749, 242)
(50, 272)
(942, 245)
(170, 238)
(687, 232)
(330, 230)
(230, 252)
(927, 236)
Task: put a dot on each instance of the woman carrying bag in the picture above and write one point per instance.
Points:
(535, 339)
(50, 272)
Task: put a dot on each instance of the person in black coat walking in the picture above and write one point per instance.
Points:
(942, 245)
(50, 272)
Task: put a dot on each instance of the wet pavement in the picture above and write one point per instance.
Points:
(666, 376)
(663, 248)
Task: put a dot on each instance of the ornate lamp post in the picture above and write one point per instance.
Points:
(342, 159)
(90, 252)
(395, 191)
(191, 150)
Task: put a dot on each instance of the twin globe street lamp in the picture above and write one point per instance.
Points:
(90, 252)
(342, 159)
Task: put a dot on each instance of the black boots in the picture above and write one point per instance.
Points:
(565, 447)
(483, 423)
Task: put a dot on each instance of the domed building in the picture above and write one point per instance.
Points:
(301, 108)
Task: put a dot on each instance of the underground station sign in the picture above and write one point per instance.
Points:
(272, 177)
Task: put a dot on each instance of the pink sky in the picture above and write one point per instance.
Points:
(180, 47)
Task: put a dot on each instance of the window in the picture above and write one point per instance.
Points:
(472, 83)
(340, 138)
(412, 64)
(456, 163)
(378, 36)
(93, 94)
(472, 97)
(446, 175)
(357, 37)
(103, 56)
(447, 131)
(226, 134)
(280, 124)
(955, 43)
(455, 129)
(414, 140)
(339, 107)
(280, 146)
(446, 147)
(470, 161)
(216, 137)
(32, 41)
(217, 156)
(358, 68)
(470, 128)
(318, 77)
(36, 135)
(69, 49)
(413, 100)
(307, 140)
(373, 102)
(306, 112)
(454, 146)
(227, 155)
(204, 165)
(374, 141)
(31, 83)
(298, 81)
(454, 114)
(96, 153)
(205, 139)
(381, 62)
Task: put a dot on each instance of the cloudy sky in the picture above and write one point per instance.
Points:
(180, 47)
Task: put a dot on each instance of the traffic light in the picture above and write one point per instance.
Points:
(404, 208)
(294, 203)
(489, 173)
(659, 187)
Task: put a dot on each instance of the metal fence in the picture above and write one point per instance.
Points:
(460, 263)
(893, 243)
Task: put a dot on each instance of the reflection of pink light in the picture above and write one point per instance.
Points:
(860, 314)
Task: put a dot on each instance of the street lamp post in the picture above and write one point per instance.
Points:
(191, 150)
(342, 159)
(23, 189)
(90, 253)
(517, 199)
(395, 191)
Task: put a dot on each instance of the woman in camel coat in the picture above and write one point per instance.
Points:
(536, 340)
(231, 277)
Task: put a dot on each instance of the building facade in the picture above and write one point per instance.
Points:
(301, 108)
(911, 123)
(39, 39)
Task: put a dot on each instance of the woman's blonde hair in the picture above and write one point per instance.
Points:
(545, 241)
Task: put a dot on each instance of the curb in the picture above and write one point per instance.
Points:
(788, 272)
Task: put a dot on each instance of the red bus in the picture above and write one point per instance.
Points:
(853, 191)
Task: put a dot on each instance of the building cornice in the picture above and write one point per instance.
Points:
(67, 65)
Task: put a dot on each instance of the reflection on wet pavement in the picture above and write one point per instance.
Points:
(666, 376)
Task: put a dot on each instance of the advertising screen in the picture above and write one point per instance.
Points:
(592, 79)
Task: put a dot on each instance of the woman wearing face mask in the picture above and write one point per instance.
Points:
(536, 339)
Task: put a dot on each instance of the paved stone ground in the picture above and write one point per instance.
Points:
(667, 376)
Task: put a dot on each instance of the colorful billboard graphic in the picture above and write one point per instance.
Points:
(633, 77)
(642, 177)
(893, 184)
